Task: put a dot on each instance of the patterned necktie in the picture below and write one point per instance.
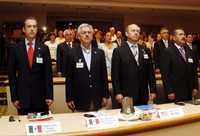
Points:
(182, 51)
(135, 53)
(30, 54)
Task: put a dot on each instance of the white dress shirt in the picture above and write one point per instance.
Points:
(134, 50)
(87, 53)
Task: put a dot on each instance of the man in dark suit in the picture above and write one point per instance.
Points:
(132, 70)
(30, 73)
(179, 72)
(86, 80)
(160, 46)
(62, 50)
(193, 48)
(119, 40)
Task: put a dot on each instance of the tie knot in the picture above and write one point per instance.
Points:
(134, 46)
(182, 49)
(30, 43)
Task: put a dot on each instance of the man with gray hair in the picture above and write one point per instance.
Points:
(86, 80)
(63, 50)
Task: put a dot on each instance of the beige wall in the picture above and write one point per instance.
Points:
(190, 22)
(20, 16)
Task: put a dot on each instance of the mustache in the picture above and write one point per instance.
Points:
(183, 38)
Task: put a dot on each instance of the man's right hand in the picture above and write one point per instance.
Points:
(171, 96)
(16, 104)
(119, 98)
(71, 105)
(157, 70)
(59, 74)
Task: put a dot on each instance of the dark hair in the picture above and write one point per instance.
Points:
(188, 34)
(174, 32)
(163, 28)
(29, 18)
(52, 33)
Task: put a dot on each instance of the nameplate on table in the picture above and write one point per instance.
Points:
(102, 122)
(170, 113)
(38, 128)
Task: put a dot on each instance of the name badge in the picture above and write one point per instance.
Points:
(146, 56)
(39, 60)
(190, 60)
(79, 65)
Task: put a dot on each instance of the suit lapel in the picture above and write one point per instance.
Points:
(141, 54)
(129, 52)
(24, 53)
(35, 54)
(179, 54)
(93, 58)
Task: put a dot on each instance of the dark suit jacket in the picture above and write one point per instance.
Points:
(158, 50)
(194, 52)
(128, 78)
(84, 86)
(31, 86)
(62, 50)
(179, 76)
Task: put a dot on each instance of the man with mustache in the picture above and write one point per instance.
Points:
(179, 73)
(86, 78)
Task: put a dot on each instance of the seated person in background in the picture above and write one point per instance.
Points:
(63, 50)
(108, 46)
(52, 45)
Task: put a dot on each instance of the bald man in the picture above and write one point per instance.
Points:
(132, 70)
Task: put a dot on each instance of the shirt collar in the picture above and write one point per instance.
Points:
(85, 50)
(132, 45)
(27, 41)
(189, 44)
(178, 46)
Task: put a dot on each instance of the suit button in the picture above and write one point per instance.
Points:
(90, 86)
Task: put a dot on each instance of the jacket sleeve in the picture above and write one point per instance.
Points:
(115, 71)
(156, 55)
(166, 67)
(58, 56)
(69, 77)
(12, 74)
(104, 76)
(151, 74)
(48, 73)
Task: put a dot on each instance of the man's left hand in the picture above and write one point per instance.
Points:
(194, 92)
(104, 102)
(152, 96)
(49, 102)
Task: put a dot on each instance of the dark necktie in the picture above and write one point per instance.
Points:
(30, 54)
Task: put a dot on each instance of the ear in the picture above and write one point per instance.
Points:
(126, 33)
(23, 29)
(78, 36)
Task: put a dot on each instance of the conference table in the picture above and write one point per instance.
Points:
(74, 124)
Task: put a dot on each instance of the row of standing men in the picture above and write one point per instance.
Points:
(30, 73)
